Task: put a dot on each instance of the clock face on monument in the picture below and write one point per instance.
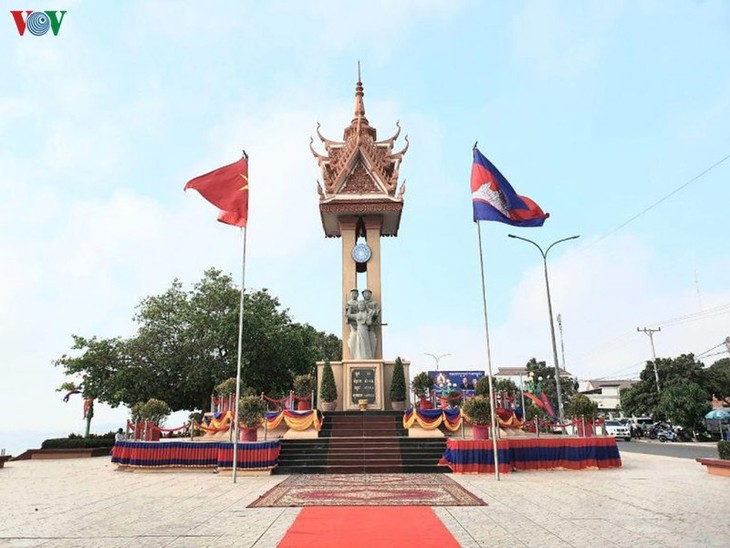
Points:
(361, 253)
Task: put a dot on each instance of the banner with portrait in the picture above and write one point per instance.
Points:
(463, 381)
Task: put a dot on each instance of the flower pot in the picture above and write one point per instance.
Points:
(303, 406)
(398, 405)
(424, 403)
(480, 431)
(328, 405)
(248, 434)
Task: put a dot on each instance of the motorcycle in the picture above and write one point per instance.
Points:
(666, 434)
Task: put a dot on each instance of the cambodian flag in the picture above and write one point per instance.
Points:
(494, 199)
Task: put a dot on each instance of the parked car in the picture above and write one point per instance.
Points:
(617, 430)
(645, 423)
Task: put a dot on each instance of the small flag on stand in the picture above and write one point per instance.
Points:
(227, 189)
(494, 199)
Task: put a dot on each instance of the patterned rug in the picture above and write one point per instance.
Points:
(367, 490)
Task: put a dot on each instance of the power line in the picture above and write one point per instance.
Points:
(624, 371)
(710, 350)
(694, 316)
(715, 354)
(672, 193)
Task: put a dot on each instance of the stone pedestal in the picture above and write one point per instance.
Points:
(363, 379)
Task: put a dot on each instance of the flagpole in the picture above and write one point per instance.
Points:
(240, 355)
(489, 360)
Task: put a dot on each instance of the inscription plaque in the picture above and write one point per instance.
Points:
(362, 382)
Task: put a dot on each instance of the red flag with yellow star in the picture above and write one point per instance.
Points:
(227, 189)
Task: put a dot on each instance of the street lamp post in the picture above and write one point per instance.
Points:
(550, 312)
(437, 358)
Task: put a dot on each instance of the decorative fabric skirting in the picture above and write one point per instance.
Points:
(430, 419)
(451, 418)
(476, 456)
(190, 454)
(367, 490)
(295, 420)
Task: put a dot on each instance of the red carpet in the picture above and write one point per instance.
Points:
(367, 526)
(367, 490)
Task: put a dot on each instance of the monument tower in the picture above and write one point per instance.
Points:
(360, 202)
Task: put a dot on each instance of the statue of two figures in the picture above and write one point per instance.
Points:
(362, 316)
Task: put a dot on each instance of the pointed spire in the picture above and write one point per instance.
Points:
(359, 103)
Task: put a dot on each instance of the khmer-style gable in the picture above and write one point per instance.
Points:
(360, 174)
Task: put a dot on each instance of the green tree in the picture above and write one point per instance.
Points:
(643, 398)
(685, 404)
(580, 405)
(717, 379)
(186, 343)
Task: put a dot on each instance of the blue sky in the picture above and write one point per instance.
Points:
(595, 110)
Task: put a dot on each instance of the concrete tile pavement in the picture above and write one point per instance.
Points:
(651, 501)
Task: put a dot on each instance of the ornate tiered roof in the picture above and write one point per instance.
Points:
(360, 174)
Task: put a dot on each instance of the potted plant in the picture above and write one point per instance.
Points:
(251, 411)
(327, 388)
(226, 392)
(398, 387)
(450, 397)
(153, 412)
(421, 386)
(479, 414)
(226, 388)
(304, 385)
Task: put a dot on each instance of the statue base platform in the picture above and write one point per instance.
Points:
(359, 380)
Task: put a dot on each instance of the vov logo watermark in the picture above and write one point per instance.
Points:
(37, 22)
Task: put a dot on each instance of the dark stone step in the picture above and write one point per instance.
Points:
(357, 420)
(368, 413)
(389, 450)
(362, 470)
(364, 433)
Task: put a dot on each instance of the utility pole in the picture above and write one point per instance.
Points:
(651, 332)
(562, 347)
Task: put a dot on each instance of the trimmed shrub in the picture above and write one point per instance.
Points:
(478, 410)
(152, 410)
(422, 384)
(723, 448)
(482, 388)
(398, 384)
(77, 443)
(304, 385)
(226, 388)
(328, 388)
(251, 411)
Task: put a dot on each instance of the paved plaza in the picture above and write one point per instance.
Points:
(651, 501)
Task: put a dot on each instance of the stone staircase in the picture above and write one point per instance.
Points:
(354, 442)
